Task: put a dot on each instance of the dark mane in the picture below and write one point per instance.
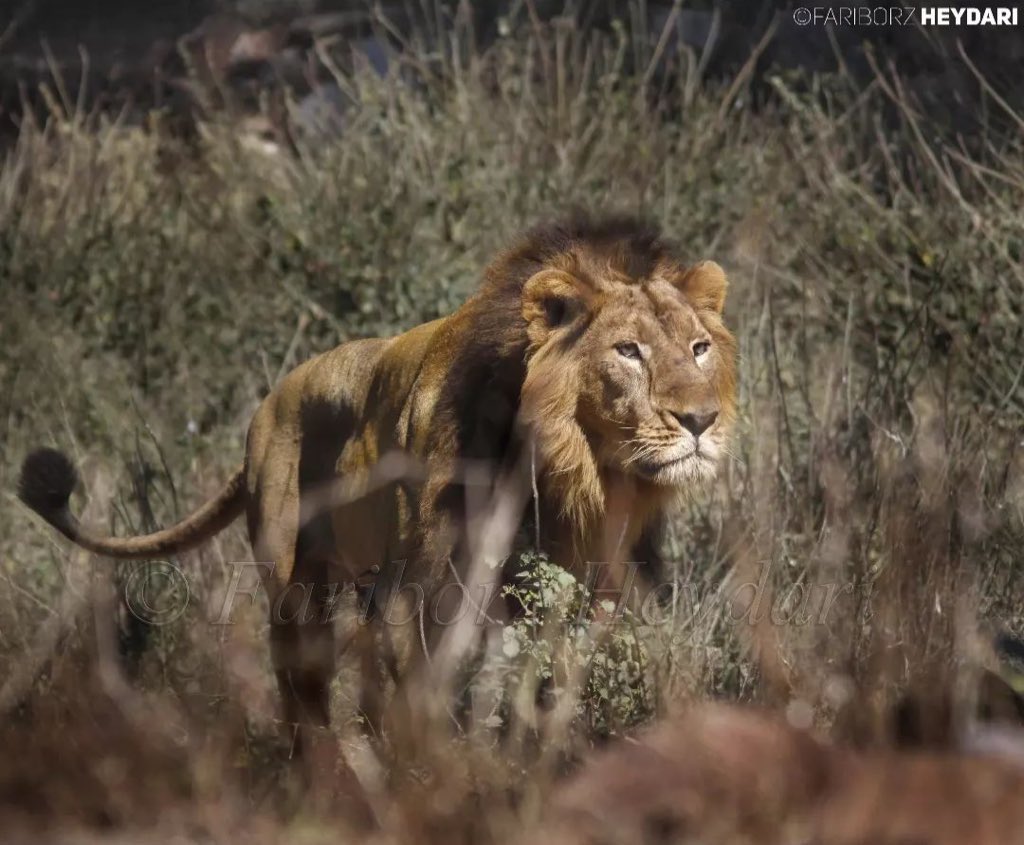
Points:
(483, 383)
(632, 244)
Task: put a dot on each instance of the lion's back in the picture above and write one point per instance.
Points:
(343, 376)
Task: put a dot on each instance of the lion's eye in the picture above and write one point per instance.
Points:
(700, 348)
(628, 349)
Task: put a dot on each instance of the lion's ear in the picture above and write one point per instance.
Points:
(551, 298)
(705, 285)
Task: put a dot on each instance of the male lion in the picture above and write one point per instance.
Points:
(589, 350)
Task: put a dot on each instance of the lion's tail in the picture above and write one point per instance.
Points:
(47, 479)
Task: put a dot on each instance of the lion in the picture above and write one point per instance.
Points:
(590, 354)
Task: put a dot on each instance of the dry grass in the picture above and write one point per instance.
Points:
(151, 292)
(713, 776)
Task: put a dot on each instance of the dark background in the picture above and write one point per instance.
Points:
(129, 53)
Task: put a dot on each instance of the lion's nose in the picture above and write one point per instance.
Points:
(696, 422)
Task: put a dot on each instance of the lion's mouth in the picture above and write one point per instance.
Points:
(673, 467)
(654, 465)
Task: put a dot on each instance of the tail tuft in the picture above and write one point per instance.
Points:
(46, 482)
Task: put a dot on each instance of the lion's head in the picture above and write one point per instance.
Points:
(653, 364)
(630, 371)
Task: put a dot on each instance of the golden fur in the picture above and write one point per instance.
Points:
(588, 343)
